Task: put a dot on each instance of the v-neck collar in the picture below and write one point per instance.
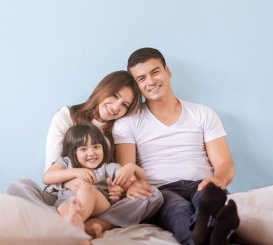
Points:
(163, 124)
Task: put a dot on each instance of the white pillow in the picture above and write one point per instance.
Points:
(24, 223)
(255, 210)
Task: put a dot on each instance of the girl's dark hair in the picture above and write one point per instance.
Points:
(144, 54)
(110, 85)
(77, 136)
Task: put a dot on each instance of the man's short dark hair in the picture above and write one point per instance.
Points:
(144, 54)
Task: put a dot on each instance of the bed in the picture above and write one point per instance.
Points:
(24, 223)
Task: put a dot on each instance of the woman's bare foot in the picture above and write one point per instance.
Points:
(91, 221)
(96, 230)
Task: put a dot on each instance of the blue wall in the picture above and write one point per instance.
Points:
(53, 53)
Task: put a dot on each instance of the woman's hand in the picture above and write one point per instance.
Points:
(115, 192)
(124, 174)
(139, 189)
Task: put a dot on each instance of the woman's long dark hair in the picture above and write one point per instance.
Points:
(110, 85)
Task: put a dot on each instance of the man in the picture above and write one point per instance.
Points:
(182, 148)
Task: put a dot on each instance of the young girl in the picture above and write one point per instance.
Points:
(86, 156)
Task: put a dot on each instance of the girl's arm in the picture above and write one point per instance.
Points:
(57, 174)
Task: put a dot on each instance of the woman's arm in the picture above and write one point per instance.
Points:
(128, 172)
(139, 173)
(125, 153)
(60, 123)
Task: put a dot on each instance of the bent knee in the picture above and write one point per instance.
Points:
(84, 186)
(157, 196)
(15, 187)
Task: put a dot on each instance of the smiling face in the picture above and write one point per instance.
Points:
(115, 106)
(90, 155)
(153, 79)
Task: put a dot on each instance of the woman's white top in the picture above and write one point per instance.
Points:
(60, 123)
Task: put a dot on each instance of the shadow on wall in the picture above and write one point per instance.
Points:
(182, 83)
(251, 167)
(251, 158)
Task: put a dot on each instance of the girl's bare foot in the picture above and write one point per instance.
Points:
(73, 213)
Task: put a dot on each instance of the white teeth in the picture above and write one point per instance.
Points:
(154, 89)
(110, 111)
(91, 160)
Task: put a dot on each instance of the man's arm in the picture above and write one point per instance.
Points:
(220, 158)
(126, 153)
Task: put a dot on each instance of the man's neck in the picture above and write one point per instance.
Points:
(166, 110)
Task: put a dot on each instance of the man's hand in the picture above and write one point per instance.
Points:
(115, 191)
(139, 189)
(213, 180)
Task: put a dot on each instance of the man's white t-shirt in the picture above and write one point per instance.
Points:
(171, 153)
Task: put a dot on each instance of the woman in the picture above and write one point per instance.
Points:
(115, 96)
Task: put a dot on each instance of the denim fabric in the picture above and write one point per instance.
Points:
(178, 213)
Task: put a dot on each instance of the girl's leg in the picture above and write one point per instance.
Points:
(93, 201)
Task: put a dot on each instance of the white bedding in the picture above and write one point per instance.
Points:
(24, 223)
(137, 235)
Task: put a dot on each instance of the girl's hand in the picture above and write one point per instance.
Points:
(115, 192)
(124, 174)
(85, 174)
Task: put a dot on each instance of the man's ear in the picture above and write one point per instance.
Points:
(168, 71)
